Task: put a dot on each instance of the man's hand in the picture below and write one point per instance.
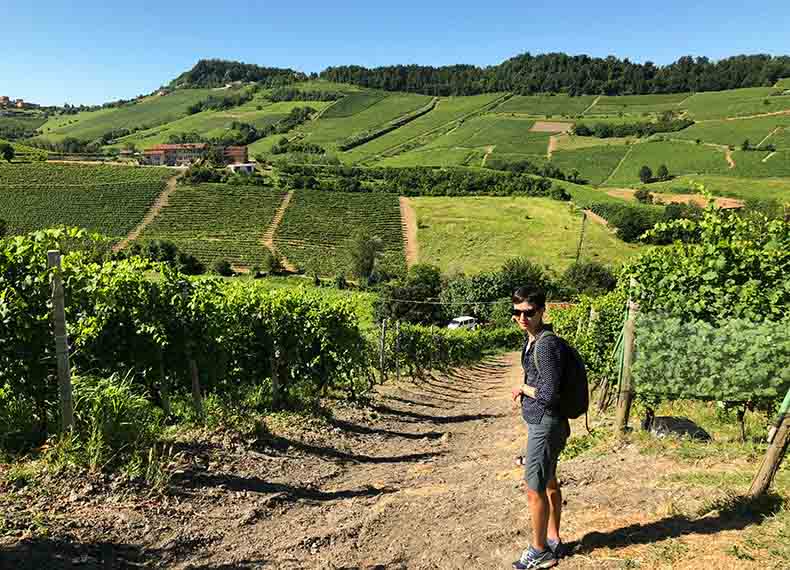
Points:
(523, 390)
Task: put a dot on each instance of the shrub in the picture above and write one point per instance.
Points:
(588, 278)
(222, 267)
(643, 196)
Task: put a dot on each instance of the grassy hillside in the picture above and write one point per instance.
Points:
(149, 112)
(477, 234)
(679, 157)
(735, 132)
(211, 124)
(217, 221)
(546, 105)
(736, 103)
(24, 153)
(108, 199)
(595, 164)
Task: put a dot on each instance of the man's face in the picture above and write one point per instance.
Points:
(527, 315)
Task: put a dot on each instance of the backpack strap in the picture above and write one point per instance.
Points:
(535, 348)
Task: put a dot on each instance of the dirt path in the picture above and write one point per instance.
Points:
(423, 478)
(553, 143)
(489, 150)
(268, 237)
(595, 102)
(596, 218)
(770, 154)
(409, 221)
(161, 201)
(728, 156)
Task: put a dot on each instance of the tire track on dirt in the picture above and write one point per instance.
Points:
(160, 202)
(409, 222)
(268, 237)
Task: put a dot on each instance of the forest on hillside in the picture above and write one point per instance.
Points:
(576, 75)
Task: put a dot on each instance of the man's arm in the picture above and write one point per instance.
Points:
(549, 356)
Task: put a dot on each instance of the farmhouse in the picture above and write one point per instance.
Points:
(187, 153)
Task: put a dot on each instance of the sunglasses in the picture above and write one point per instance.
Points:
(527, 313)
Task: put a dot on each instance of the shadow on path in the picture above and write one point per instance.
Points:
(283, 493)
(63, 553)
(364, 430)
(733, 514)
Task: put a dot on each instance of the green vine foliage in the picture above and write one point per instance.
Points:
(736, 360)
(593, 338)
(417, 348)
(727, 266)
(134, 316)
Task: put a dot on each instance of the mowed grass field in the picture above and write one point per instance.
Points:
(330, 130)
(736, 103)
(470, 235)
(424, 129)
(734, 132)
(150, 112)
(638, 104)
(546, 105)
(728, 186)
(107, 199)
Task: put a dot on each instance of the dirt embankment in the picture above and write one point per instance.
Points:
(628, 194)
(268, 237)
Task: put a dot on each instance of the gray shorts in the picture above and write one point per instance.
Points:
(545, 442)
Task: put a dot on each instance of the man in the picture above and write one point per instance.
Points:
(547, 430)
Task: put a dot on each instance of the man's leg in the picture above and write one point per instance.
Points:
(554, 495)
(539, 511)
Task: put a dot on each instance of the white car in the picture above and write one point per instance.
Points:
(463, 323)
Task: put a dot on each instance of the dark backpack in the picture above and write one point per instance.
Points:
(574, 391)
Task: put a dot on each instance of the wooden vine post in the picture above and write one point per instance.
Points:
(626, 394)
(61, 342)
(197, 396)
(397, 350)
(780, 438)
(274, 363)
(383, 350)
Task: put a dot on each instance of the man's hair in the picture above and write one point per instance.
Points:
(531, 296)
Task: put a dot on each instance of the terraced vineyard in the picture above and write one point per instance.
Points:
(317, 226)
(735, 132)
(24, 153)
(103, 198)
(736, 103)
(218, 221)
(595, 164)
(546, 105)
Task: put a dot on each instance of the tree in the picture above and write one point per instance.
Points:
(746, 145)
(588, 278)
(7, 151)
(364, 251)
(663, 172)
(645, 174)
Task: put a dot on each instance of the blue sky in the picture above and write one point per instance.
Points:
(93, 51)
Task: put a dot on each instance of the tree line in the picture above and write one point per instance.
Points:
(218, 72)
(528, 74)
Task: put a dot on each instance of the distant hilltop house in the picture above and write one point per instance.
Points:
(186, 153)
(6, 101)
(242, 168)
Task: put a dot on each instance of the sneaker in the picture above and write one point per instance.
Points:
(557, 547)
(531, 559)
